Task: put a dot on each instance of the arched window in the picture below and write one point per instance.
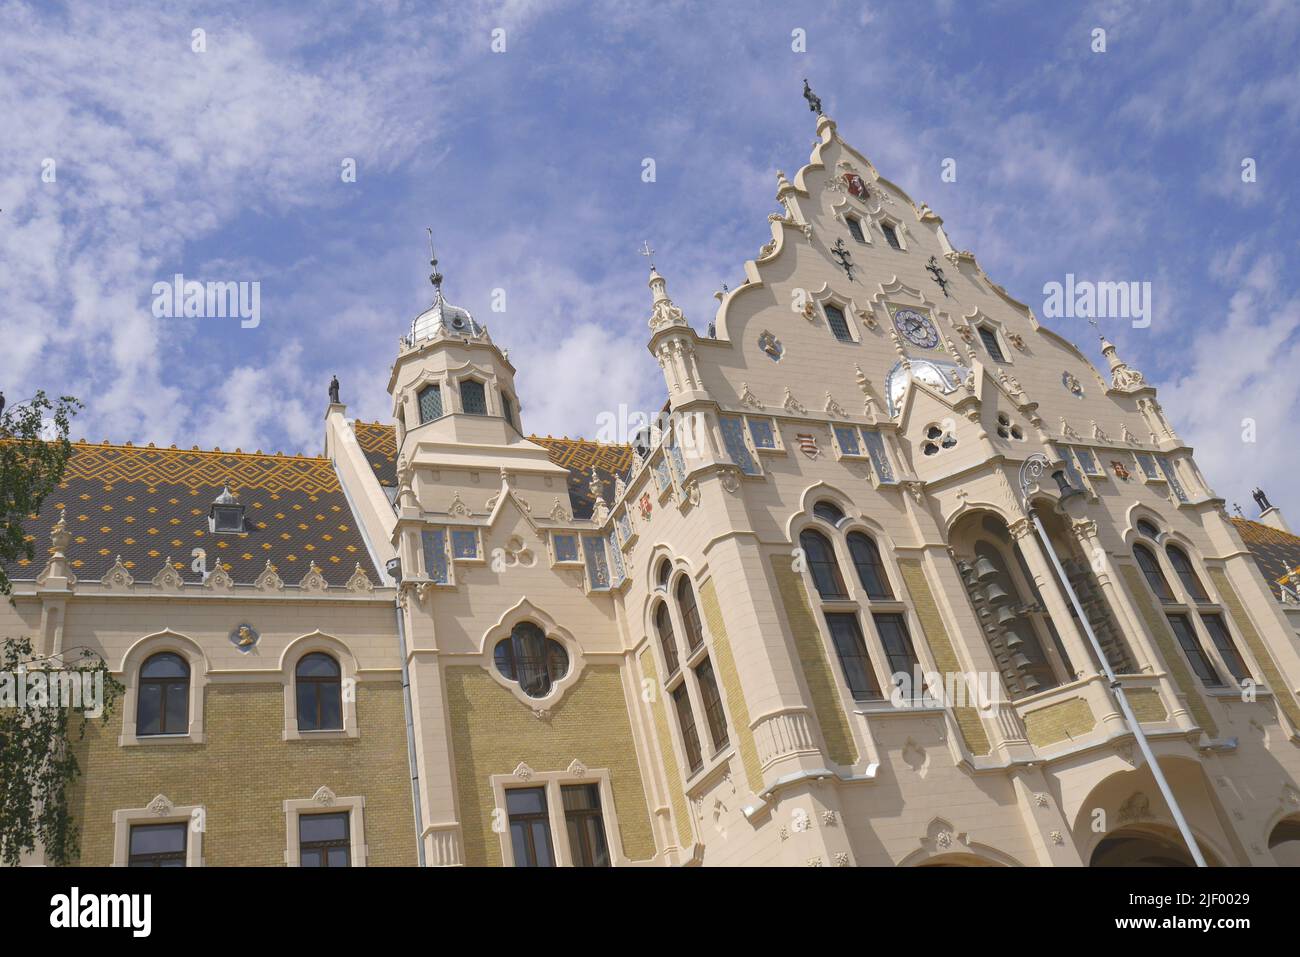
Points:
(532, 659)
(667, 639)
(1151, 569)
(828, 512)
(473, 399)
(319, 689)
(822, 564)
(163, 704)
(1146, 528)
(430, 400)
(1187, 573)
(690, 613)
(665, 568)
(871, 570)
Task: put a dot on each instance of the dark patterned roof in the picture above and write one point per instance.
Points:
(379, 443)
(1275, 552)
(148, 504)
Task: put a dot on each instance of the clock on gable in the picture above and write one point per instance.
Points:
(916, 328)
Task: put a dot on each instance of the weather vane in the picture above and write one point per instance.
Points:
(648, 253)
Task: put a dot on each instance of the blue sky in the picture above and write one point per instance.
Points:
(225, 165)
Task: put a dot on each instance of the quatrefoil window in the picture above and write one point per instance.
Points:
(531, 659)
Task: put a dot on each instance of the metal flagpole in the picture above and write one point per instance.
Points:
(1032, 469)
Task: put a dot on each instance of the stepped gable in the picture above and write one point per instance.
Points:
(147, 504)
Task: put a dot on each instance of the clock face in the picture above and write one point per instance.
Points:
(916, 328)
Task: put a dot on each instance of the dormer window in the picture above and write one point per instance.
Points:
(891, 235)
(226, 514)
(473, 400)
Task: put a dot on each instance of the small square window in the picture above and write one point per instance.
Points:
(855, 229)
(891, 236)
(839, 325)
(1087, 462)
(430, 400)
(991, 344)
(566, 547)
(464, 543)
(227, 518)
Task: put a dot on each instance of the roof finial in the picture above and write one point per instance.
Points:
(435, 277)
(648, 253)
(814, 101)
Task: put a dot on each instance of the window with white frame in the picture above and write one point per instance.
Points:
(847, 600)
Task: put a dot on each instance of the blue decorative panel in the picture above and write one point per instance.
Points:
(435, 554)
(1148, 465)
(847, 437)
(616, 559)
(566, 548)
(593, 547)
(624, 528)
(679, 463)
(879, 460)
(1072, 473)
(761, 431)
(1087, 461)
(464, 543)
(1172, 478)
(733, 437)
(662, 478)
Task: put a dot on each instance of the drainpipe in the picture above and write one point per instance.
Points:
(394, 569)
(1032, 469)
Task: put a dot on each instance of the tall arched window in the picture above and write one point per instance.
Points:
(163, 703)
(665, 569)
(822, 564)
(871, 570)
(532, 659)
(690, 613)
(1151, 569)
(319, 688)
(1187, 574)
(667, 639)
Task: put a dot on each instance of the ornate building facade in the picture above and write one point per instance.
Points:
(447, 641)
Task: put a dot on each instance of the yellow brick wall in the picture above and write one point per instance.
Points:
(244, 771)
(730, 678)
(659, 711)
(942, 651)
(492, 731)
(1146, 705)
(1159, 630)
(1071, 718)
(1246, 628)
(822, 685)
